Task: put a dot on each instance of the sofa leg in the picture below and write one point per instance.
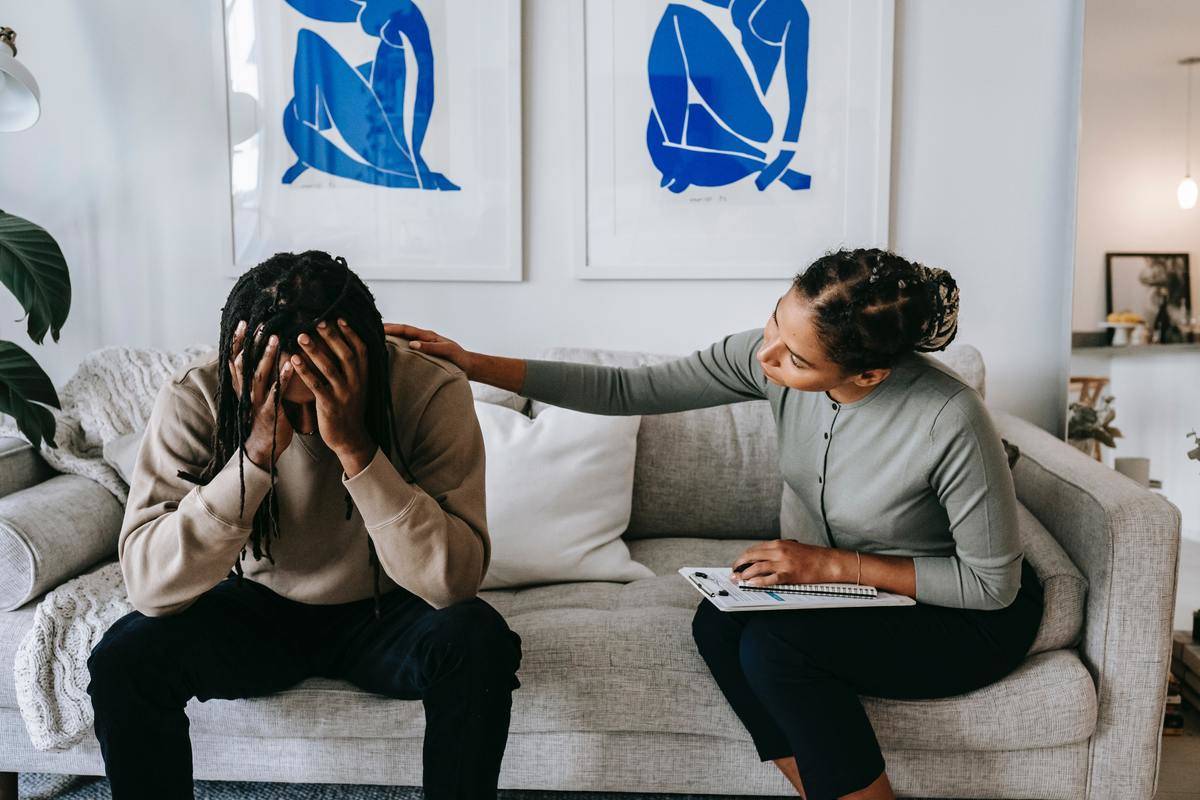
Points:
(8, 786)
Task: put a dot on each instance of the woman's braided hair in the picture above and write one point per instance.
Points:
(871, 306)
(288, 294)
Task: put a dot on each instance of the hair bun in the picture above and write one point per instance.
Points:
(943, 324)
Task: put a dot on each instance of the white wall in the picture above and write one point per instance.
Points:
(127, 168)
(1131, 146)
(984, 179)
(1154, 423)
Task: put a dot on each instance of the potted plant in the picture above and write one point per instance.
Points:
(1169, 287)
(1091, 426)
(34, 270)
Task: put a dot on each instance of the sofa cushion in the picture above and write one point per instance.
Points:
(485, 393)
(1063, 585)
(53, 531)
(558, 490)
(724, 447)
(619, 657)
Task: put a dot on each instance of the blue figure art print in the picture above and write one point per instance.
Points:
(709, 124)
(366, 104)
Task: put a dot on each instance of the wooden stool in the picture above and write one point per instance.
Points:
(1089, 388)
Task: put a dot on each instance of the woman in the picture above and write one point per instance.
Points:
(353, 469)
(895, 477)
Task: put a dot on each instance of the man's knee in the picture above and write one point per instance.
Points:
(480, 635)
(121, 658)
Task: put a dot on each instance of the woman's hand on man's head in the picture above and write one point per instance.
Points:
(434, 344)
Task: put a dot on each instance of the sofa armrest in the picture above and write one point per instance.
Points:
(1125, 540)
(52, 532)
(21, 465)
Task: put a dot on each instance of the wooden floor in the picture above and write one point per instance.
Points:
(1179, 774)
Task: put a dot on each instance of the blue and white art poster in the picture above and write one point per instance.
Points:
(730, 138)
(384, 131)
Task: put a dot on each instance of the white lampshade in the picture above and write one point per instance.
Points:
(243, 117)
(1187, 193)
(20, 98)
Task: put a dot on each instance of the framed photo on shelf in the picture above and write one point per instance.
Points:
(1157, 286)
(387, 132)
(737, 139)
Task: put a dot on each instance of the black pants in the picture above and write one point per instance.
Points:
(794, 677)
(245, 641)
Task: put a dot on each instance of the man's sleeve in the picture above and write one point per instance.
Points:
(179, 539)
(431, 536)
(727, 371)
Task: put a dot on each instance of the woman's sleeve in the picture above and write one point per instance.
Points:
(726, 371)
(973, 482)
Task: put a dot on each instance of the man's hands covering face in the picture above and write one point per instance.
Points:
(336, 374)
(268, 427)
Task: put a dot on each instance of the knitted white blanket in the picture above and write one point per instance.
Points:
(111, 394)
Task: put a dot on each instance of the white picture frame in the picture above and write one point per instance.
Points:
(471, 137)
(626, 226)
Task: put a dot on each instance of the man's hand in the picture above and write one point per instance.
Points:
(339, 384)
(267, 425)
(789, 561)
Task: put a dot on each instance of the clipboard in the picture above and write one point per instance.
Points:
(719, 589)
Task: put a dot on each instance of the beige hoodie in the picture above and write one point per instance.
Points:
(179, 539)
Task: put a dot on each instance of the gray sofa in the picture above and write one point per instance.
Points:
(615, 697)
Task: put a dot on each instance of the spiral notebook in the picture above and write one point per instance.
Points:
(716, 584)
(835, 589)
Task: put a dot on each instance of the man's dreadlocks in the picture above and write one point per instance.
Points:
(288, 294)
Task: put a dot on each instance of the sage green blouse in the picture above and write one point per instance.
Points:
(915, 468)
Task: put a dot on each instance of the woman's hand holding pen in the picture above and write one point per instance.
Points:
(789, 561)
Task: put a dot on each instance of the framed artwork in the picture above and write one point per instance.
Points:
(384, 131)
(1158, 286)
(729, 138)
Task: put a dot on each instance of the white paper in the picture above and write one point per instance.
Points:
(717, 579)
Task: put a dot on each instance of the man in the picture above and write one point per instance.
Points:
(359, 572)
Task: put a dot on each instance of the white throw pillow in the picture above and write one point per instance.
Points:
(121, 453)
(559, 490)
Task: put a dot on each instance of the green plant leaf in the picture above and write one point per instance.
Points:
(23, 385)
(1105, 439)
(1113, 432)
(33, 268)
